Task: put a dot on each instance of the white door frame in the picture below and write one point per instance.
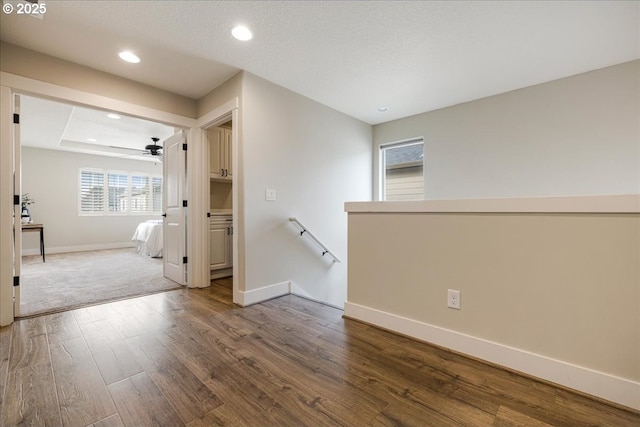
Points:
(215, 117)
(6, 205)
(17, 209)
(13, 84)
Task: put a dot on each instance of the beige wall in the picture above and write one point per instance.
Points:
(315, 158)
(37, 66)
(226, 91)
(564, 286)
(573, 136)
(51, 178)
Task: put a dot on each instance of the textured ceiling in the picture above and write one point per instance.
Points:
(57, 126)
(354, 56)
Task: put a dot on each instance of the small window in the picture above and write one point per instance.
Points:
(118, 184)
(91, 191)
(140, 193)
(156, 183)
(402, 171)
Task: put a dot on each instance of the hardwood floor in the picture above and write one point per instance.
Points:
(190, 357)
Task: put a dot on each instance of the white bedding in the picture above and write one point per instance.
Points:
(148, 237)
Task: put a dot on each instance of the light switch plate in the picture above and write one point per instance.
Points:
(270, 194)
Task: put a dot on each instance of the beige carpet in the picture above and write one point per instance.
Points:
(77, 279)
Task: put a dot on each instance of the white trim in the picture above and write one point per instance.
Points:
(299, 292)
(609, 387)
(6, 206)
(81, 248)
(21, 84)
(619, 203)
(212, 116)
(226, 111)
(264, 293)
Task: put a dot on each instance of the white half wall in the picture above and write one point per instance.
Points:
(553, 294)
(51, 178)
(316, 159)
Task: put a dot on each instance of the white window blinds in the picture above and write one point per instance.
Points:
(91, 191)
(118, 197)
(140, 193)
(119, 193)
(156, 184)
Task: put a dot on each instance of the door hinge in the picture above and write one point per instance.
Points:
(184, 147)
(16, 199)
(208, 214)
(184, 203)
(16, 280)
(16, 119)
(184, 259)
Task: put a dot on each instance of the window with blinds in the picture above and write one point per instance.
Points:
(91, 191)
(141, 193)
(118, 197)
(119, 193)
(156, 189)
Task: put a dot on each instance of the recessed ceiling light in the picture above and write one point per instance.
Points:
(127, 55)
(383, 109)
(91, 140)
(242, 33)
(113, 116)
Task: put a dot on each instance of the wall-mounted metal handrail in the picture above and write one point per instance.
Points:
(304, 231)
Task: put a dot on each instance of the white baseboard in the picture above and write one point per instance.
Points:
(82, 248)
(224, 272)
(299, 292)
(264, 293)
(609, 387)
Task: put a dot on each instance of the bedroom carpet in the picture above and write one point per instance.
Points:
(77, 279)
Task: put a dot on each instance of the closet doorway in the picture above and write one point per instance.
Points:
(219, 144)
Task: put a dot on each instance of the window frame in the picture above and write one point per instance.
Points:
(382, 175)
(128, 211)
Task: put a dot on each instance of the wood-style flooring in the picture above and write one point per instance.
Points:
(190, 357)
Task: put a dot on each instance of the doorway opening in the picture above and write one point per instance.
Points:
(94, 182)
(219, 146)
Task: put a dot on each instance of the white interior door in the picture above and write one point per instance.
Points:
(17, 209)
(174, 227)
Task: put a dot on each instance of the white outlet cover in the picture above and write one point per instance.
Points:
(453, 299)
(270, 194)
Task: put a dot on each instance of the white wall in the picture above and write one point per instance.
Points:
(316, 159)
(575, 136)
(51, 178)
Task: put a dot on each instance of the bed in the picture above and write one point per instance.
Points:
(148, 238)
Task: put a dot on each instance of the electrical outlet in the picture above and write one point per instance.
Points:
(453, 299)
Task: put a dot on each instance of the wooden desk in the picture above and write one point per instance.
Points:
(40, 228)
